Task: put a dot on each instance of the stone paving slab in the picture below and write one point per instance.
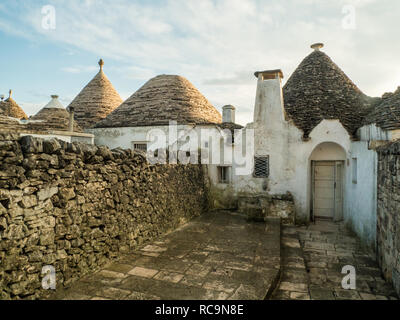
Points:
(217, 256)
(312, 261)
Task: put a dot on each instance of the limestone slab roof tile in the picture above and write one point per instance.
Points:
(53, 116)
(11, 109)
(161, 99)
(9, 124)
(386, 115)
(318, 89)
(96, 100)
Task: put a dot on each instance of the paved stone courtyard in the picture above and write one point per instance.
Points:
(222, 256)
(216, 256)
(312, 261)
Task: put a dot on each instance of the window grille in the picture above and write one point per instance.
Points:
(223, 175)
(261, 167)
(140, 146)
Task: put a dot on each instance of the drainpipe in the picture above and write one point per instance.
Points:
(71, 119)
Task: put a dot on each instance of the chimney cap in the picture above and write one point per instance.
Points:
(317, 46)
(270, 74)
(229, 106)
(54, 96)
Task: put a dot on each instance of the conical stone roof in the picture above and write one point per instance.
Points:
(96, 100)
(318, 89)
(11, 109)
(387, 114)
(160, 100)
(54, 116)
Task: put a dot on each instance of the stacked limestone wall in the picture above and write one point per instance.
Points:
(77, 206)
(388, 229)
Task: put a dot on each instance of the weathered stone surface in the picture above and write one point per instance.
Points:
(312, 260)
(318, 89)
(96, 100)
(77, 207)
(162, 99)
(388, 209)
(259, 207)
(10, 108)
(387, 114)
(241, 261)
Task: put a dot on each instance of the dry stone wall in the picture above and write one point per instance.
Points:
(77, 206)
(388, 216)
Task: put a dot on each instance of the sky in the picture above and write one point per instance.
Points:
(53, 46)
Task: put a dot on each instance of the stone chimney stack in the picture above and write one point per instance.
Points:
(71, 119)
(269, 98)
(228, 114)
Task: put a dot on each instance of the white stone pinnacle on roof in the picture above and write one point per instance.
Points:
(317, 46)
(54, 103)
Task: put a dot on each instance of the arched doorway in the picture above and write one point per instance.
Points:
(327, 181)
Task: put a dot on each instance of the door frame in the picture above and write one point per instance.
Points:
(312, 191)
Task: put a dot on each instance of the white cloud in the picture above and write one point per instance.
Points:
(80, 69)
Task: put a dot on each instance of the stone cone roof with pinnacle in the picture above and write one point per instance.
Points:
(96, 100)
(53, 116)
(11, 109)
(160, 100)
(318, 89)
(386, 115)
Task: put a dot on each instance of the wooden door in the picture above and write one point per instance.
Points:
(324, 189)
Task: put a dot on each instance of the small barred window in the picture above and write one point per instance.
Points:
(140, 146)
(223, 174)
(261, 167)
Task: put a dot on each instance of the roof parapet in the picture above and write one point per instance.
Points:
(270, 74)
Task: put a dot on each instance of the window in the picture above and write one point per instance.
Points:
(223, 174)
(261, 167)
(142, 146)
(354, 169)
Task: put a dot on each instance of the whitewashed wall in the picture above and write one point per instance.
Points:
(361, 197)
(222, 194)
(64, 137)
(290, 156)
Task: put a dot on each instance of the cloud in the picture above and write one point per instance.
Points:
(218, 45)
(80, 69)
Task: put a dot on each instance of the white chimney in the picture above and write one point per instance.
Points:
(269, 98)
(71, 119)
(228, 114)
